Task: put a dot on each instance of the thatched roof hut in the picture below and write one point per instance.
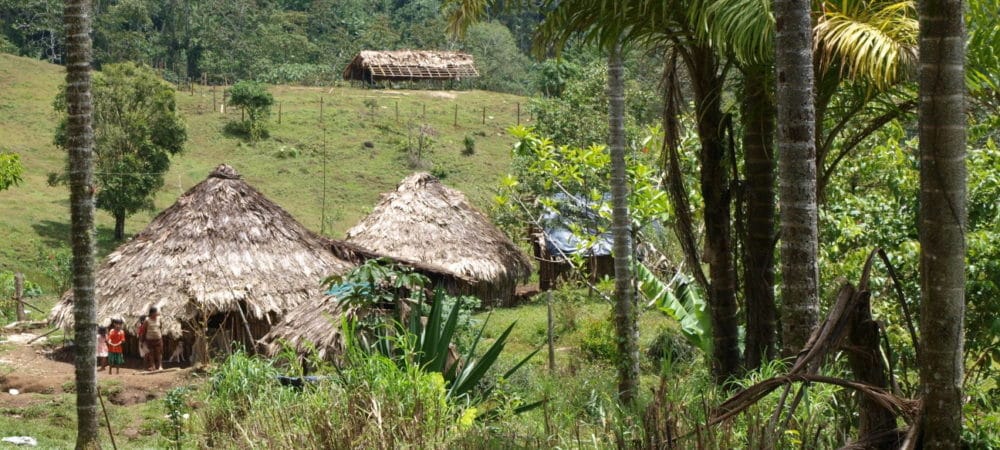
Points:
(221, 248)
(410, 65)
(423, 220)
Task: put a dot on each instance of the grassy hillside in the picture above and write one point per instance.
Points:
(365, 153)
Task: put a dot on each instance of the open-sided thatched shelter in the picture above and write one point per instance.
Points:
(410, 65)
(425, 221)
(222, 252)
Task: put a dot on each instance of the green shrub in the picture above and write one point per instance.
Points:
(256, 102)
(469, 148)
(598, 340)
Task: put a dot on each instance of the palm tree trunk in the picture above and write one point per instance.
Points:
(942, 219)
(796, 173)
(707, 84)
(80, 139)
(625, 306)
(758, 266)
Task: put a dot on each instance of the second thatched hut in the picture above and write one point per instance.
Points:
(223, 257)
(426, 221)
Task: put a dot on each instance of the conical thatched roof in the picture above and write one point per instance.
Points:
(221, 244)
(423, 220)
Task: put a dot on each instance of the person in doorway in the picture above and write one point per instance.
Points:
(102, 348)
(153, 337)
(116, 339)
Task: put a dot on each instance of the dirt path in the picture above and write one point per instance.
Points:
(37, 369)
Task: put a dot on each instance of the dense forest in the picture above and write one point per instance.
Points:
(798, 201)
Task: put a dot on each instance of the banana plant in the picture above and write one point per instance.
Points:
(679, 300)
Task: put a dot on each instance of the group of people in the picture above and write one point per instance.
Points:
(111, 340)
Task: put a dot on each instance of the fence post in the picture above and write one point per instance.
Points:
(519, 113)
(551, 332)
(397, 111)
(19, 295)
(279, 113)
(214, 107)
(456, 114)
(484, 115)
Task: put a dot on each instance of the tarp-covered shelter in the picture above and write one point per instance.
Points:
(222, 252)
(410, 65)
(425, 221)
(555, 242)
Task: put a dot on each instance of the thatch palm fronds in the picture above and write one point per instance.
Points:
(369, 65)
(425, 221)
(220, 248)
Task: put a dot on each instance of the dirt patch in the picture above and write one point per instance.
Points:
(35, 374)
(442, 94)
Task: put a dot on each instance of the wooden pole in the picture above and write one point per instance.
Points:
(279, 113)
(551, 332)
(484, 115)
(19, 295)
(423, 115)
(214, 106)
(456, 114)
(397, 111)
(322, 225)
(518, 113)
(107, 421)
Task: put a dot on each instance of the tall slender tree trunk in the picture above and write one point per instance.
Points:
(758, 266)
(942, 219)
(80, 139)
(119, 225)
(707, 83)
(796, 173)
(626, 323)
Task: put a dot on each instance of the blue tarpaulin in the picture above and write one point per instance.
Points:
(574, 211)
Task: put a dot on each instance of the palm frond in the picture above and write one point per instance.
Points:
(874, 41)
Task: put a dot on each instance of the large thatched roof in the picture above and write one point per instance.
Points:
(371, 65)
(220, 245)
(423, 220)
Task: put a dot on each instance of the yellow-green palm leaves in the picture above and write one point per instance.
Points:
(874, 41)
(862, 40)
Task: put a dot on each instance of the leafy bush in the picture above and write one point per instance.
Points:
(598, 340)
(469, 146)
(256, 102)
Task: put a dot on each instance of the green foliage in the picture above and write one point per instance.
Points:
(544, 173)
(469, 146)
(428, 343)
(56, 264)
(378, 282)
(679, 300)
(579, 115)
(176, 404)
(554, 74)
(137, 130)
(29, 290)
(502, 67)
(11, 170)
(256, 102)
(598, 340)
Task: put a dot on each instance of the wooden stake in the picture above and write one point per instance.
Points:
(518, 113)
(551, 332)
(456, 114)
(214, 107)
(279, 113)
(107, 421)
(484, 115)
(397, 111)
(19, 295)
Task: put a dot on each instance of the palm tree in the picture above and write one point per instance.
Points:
(796, 173)
(80, 138)
(942, 219)
(600, 22)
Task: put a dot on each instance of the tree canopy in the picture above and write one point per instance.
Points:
(137, 130)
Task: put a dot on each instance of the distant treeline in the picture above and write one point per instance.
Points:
(275, 41)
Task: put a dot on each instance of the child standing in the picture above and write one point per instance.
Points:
(102, 348)
(116, 337)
